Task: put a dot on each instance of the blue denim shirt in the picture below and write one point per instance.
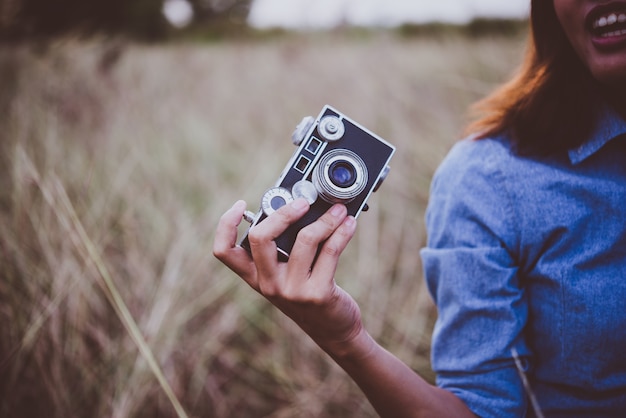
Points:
(530, 254)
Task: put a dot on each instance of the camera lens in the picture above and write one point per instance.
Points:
(340, 176)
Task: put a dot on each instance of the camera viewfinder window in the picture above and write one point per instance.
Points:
(314, 145)
(302, 164)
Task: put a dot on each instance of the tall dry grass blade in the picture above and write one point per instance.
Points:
(55, 195)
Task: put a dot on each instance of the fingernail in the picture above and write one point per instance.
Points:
(350, 222)
(239, 204)
(300, 204)
(336, 211)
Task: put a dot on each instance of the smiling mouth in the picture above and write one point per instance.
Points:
(609, 24)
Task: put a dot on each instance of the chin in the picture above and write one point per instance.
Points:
(611, 74)
(615, 80)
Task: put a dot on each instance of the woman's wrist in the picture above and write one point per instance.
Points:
(355, 348)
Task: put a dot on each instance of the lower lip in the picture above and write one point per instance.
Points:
(609, 43)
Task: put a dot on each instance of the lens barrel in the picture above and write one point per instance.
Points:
(340, 176)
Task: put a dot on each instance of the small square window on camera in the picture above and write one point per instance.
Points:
(314, 145)
(302, 164)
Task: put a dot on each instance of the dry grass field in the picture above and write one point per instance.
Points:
(116, 161)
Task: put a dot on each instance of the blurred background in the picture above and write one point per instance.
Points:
(127, 127)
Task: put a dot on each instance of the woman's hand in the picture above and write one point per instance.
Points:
(307, 293)
(304, 288)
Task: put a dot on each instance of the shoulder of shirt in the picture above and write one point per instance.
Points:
(471, 199)
(483, 157)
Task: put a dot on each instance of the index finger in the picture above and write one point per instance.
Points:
(261, 237)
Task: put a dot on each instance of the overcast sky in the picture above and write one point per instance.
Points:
(308, 14)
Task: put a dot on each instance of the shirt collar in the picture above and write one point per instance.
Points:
(609, 125)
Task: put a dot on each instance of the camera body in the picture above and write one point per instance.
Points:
(337, 161)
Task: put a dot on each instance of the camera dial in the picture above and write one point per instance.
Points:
(331, 128)
(382, 177)
(274, 199)
(340, 176)
(302, 129)
(305, 189)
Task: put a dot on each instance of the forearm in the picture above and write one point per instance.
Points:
(392, 387)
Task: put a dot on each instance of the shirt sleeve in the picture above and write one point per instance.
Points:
(472, 275)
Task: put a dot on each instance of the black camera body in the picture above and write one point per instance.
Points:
(337, 161)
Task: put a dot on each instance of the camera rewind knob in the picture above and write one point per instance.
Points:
(274, 199)
(331, 128)
(302, 129)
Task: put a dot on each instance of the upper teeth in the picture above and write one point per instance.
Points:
(609, 20)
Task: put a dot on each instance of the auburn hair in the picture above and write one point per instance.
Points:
(550, 104)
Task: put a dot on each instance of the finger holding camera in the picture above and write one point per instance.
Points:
(309, 294)
(304, 287)
(332, 231)
(239, 260)
(271, 274)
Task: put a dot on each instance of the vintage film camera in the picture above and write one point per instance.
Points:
(337, 161)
